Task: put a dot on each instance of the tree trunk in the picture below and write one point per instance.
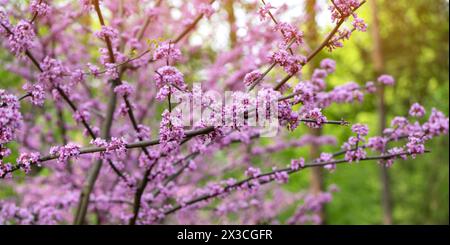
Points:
(317, 181)
(232, 22)
(377, 56)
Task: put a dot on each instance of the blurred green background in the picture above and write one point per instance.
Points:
(415, 46)
(415, 49)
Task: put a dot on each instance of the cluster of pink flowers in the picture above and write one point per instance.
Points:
(111, 71)
(360, 129)
(36, 92)
(281, 177)
(53, 72)
(353, 150)
(264, 11)
(93, 69)
(343, 8)
(290, 33)
(253, 172)
(415, 146)
(386, 80)
(171, 130)
(307, 213)
(25, 160)
(359, 24)
(65, 152)
(115, 146)
(10, 117)
(304, 93)
(252, 77)
(316, 115)
(107, 32)
(296, 164)
(417, 110)
(125, 89)
(167, 51)
(40, 7)
(22, 38)
(377, 143)
(291, 63)
(326, 158)
(328, 64)
(437, 124)
(206, 9)
(4, 21)
(168, 80)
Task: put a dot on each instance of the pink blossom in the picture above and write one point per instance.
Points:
(264, 11)
(417, 110)
(167, 79)
(111, 71)
(81, 115)
(346, 93)
(117, 146)
(394, 151)
(94, 70)
(10, 116)
(107, 32)
(399, 122)
(355, 155)
(52, 72)
(281, 177)
(377, 143)
(315, 115)
(25, 161)
(437, 124)
(290, 33)
(21, 38)
(125, 89)
(182, 170)
(360, 129)
(305, 93)
(167, 51)
(327, 158)
(343, 8)
(41, 8)
(251, 77)
(171, 130)
(65, 152)
(386, 80)
(77, 76)
(296, 164)
(415, 146)
(206, 9)
(291, 63)
(328, 64)
(36, 92)
(370, 87)
(252, 172)
(359, 24)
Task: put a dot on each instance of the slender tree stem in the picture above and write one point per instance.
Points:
(289, 171)
(320, 47)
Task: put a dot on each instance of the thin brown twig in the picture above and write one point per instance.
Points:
(320, 47)
(289, 171)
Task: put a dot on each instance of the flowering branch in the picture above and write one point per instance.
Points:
(270, 176)
(320, 47)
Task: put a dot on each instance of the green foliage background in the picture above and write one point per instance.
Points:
(415, 47)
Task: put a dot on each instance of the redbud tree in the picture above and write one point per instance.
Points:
(121, 119)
